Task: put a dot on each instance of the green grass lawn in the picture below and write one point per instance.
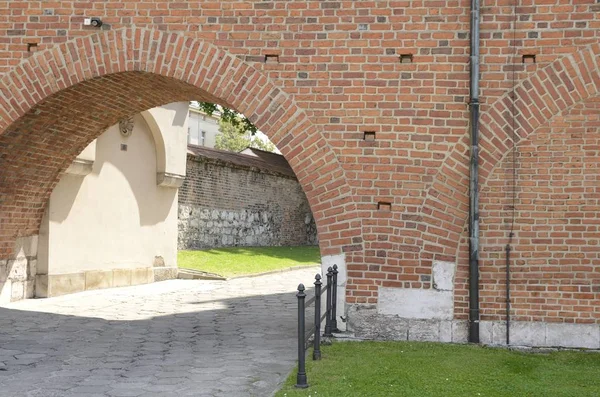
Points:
(444, 370)
(240, 261)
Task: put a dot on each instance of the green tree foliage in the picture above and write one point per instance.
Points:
(234, 138)
(267, 146)
(229, 115)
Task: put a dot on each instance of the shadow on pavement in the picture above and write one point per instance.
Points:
(177, 344)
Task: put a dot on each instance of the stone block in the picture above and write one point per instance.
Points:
(170, 180)
(499, 333)
(424, 330)
(443, 275)
(486, 334)
(62, 284)
(5, 292)
(416, 303)
(80, 167)
(340, 261)
(525, 333)
(573, 335)
(31, 269)
(17, 290)
(460, 331)
(3, 270)
(445, 331)
(164, 273)
(26, 246)
(121, 277)
(29, 289)
(17, 269)
(150, 276)
(139, 276)
(41, 286)
(98, 279)
(366, 323)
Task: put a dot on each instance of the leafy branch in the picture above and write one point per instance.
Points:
(236, 119)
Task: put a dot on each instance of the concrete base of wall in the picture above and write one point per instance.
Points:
(165, 273)
(62, 284)
(365, 322)
(537, 334)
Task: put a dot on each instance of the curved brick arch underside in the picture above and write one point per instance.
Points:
(549, 92)
(59, 100)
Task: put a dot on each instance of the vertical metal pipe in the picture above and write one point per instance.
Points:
(508, 293)
(334, 327)
(317, 341)
(327, 332)
(301, 381)
(474, 177)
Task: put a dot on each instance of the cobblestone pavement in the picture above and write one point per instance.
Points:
(173, 338)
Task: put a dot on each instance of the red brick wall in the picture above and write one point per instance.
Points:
(338, 74)
(556, 258)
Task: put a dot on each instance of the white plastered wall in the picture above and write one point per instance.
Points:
(168, 126)
(116, 206)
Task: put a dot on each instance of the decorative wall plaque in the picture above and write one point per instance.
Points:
(126, 126)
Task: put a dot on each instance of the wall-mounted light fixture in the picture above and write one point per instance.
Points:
(94, 21)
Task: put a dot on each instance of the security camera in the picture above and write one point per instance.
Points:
(96, 22)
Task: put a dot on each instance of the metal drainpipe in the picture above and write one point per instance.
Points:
(474, 175)
(508, 291)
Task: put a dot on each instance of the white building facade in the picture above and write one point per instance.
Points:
(202, 128)
(111, 221)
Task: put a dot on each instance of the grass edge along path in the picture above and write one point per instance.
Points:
(242, 261)
(420, 369)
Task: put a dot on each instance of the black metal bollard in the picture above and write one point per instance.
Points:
(327, 332)
(317, 341)
(334, 327)
(301, 377)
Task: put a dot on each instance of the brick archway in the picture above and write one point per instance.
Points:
(53, 104)
(550, 91)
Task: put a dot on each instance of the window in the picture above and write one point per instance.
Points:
(192, 136)
(197, 136)
(194, 129)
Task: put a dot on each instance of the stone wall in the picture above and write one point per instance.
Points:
(17, 275)
(227, 205)
(366, 321)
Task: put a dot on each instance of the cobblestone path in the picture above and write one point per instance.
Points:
(173, 338)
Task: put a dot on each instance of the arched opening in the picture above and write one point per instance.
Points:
(64, 98)
(241, 208)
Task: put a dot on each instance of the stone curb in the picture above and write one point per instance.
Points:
(288, 269)
(189, 274)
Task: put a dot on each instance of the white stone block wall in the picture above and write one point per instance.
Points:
(17, 275)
